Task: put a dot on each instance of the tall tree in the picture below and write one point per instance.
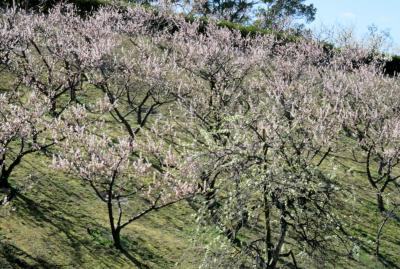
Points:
(279, 14)
(269, 13)
(231, 10)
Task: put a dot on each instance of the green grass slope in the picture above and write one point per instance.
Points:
(57, 222)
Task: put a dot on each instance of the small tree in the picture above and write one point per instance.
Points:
(45, 58)
(373, 122)
(23, 130)
(108, 165)
(232, 10)
(138, 75)
(53, 53)
(280, 14)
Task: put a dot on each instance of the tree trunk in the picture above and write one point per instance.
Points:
(6, 172)
(72, 94)
(279, 244)
(4, 184)
(5, 187)
(268, 237)
(212, 204)
(53, 107)
(116, 234)
(380, 230)
(381, 205)
(4, 175)
(115, 231)
(3, 181)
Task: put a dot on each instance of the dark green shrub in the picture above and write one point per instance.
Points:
(44, 5)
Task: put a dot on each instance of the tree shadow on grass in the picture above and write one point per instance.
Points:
(135, 261)
(51, 211)
(12, 258)
(134, 249)
(41, 214)
(387, 262)
(370, 249)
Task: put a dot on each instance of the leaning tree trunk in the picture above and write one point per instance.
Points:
(115, 229)
(4, 174)
(278, 247)
(4, 184)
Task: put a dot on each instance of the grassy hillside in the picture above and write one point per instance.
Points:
(362, 219)
(57, 222)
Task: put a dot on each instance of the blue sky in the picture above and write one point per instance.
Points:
(359, 14)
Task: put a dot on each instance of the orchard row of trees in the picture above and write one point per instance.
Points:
(245, 129)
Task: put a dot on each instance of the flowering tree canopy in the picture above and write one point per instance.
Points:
(149, 110)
